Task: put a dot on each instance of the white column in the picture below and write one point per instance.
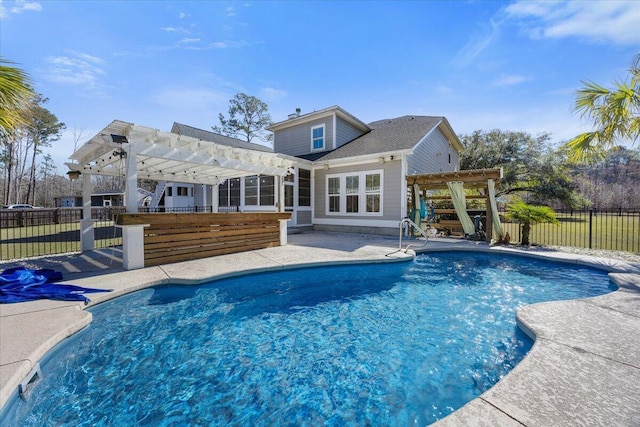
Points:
(132, 235)
(203, 190)
(215, 200)
(281, 201)
(87, 236)
(133, 246)
(131, 181)
(283, 232)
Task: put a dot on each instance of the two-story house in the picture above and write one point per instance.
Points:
(349, 176)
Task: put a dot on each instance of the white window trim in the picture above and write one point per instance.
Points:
(324, 137)
(362, 193)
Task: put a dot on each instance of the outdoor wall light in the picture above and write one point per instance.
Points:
(73, 175)
(119, 152)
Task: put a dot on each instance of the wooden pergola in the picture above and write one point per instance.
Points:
(473, 179)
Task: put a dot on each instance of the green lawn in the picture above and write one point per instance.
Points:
(40, 240)
(608, 232)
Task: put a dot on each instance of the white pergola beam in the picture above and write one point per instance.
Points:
(166, 156)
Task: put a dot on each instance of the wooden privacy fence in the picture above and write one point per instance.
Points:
(174, 237)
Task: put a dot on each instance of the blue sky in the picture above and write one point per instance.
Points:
(482, 64)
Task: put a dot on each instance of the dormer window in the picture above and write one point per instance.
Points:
(317, 138)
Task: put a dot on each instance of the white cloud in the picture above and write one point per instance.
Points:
(230, 11)
(616, 22)
(19, 7)
(182, 15)
(509, 80)
(77, 69)
(477, 43)
(272, 94)
(189, 40)
(26, 6)
(226, 44)
(181, 30)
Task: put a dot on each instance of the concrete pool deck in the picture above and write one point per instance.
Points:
(584, 368)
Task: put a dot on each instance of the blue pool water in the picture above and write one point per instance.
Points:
(374, 344)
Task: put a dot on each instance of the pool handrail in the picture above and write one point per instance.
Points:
(417, 228)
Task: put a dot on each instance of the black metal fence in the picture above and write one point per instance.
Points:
(617, 230)
(36, 232)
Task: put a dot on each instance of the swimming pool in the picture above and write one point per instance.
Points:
(379, 344)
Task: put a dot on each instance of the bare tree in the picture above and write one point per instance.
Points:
(248, 118)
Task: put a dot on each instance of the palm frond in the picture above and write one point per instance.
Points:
(585, 147)
(15, 97)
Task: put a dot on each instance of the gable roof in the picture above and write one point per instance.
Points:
(204, 135)
(338, 111)
(399, 134)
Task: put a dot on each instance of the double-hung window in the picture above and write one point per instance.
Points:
(355, 193)
(333, 190)
(229, 193)
(251, 190)
(352, 193)
(267, 193)
(317, 138)
(372, 192)
(259, 190)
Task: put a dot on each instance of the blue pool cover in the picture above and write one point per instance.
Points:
(22, 284)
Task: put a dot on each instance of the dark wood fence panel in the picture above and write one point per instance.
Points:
(173, 237)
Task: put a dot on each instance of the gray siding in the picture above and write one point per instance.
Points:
(432, 155)
(296, 140)
(346, 132)
(391, 197)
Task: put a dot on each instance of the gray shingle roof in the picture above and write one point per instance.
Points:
(401, 133)
(187, 130)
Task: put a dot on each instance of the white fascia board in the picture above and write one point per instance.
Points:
(359, 222)
(348, 117)
(335, 130)
(444, 127)
(424, 138)
(359, 160)
(302, 119)
(448, 132)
